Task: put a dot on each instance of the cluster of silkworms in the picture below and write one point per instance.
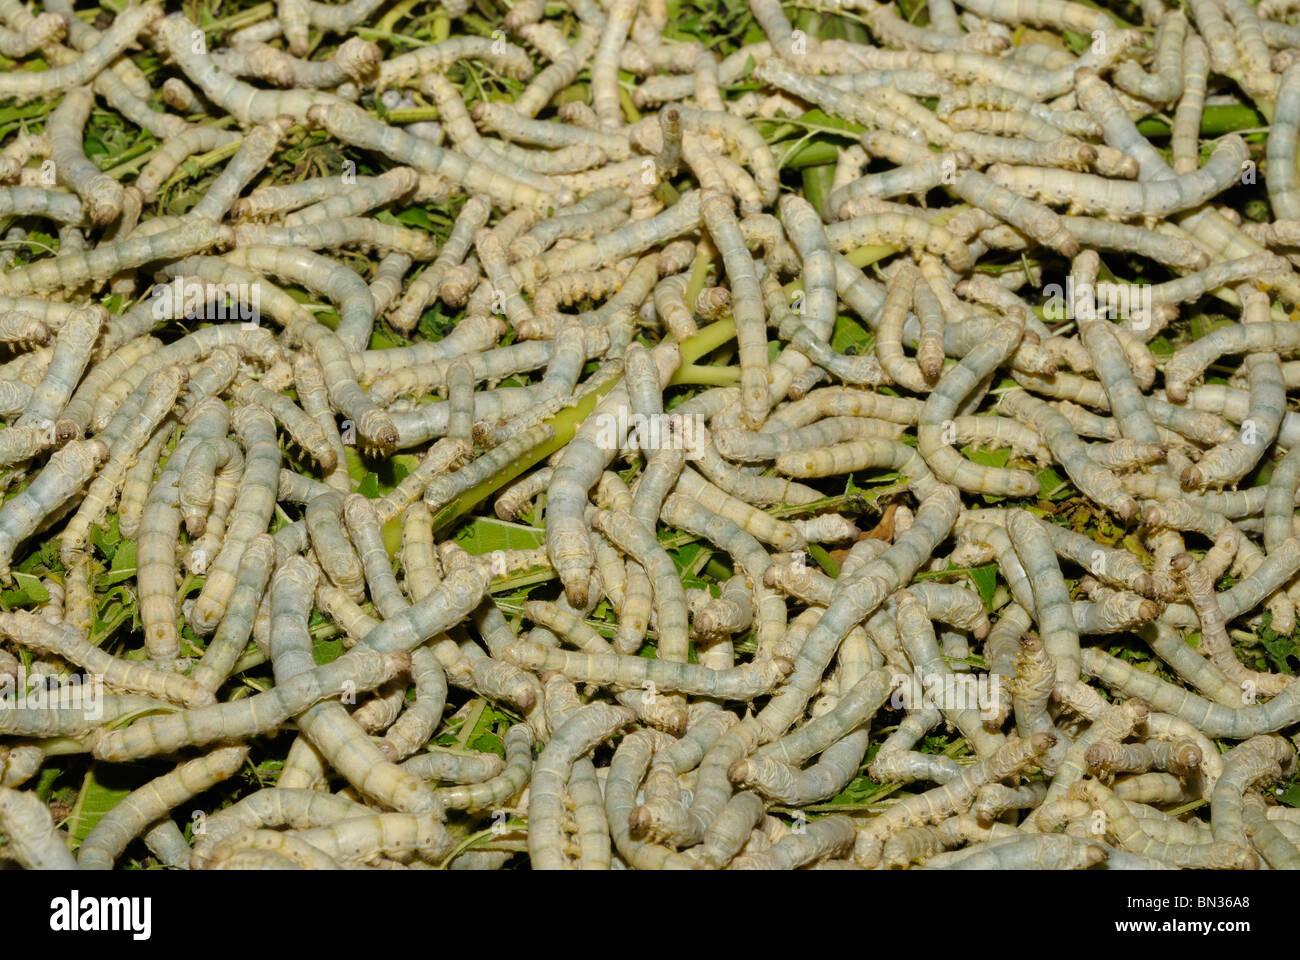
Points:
(1048, 531)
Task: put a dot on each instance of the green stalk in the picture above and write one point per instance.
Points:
(705, 376)
(244, 18)
(817, 184)
(412, 115)
(860, 257)
(566, 424)
(811, 154)
(390, 19)
(1215, 121)
(707, 340)
(699, 273)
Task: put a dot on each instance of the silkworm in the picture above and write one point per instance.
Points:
(934, 804)
(74, 269)
(64, 641)
(129, 431)
(130, 817)
(1098, 482)
(329, 727)
(24, 85)
(952, 388)
(196, 493)
(1127, 199)
(67, 471)
(72, 347)
(33, 840)
(585, 728)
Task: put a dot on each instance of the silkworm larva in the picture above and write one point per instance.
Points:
(1128, 833)
(946, 799)
(250, 515)
(328, 726)
(19, 764)
(133, 814)
(163, 388)
(1048, 852)
(21, 201)
(196, 485)
(829, 837)
(334, 551)
(747, 308)
(515, 499)
(416, 725)
(77, 412)
(1126, 199)
(309, 382)
(508, 121)
(231, 636)
(305, 430)
(1163, 248)
(350, 124)
(587, 727)
(65, 641)
(1189, 362)
(1262, 758)
(858, 596)
(1094, 479)
(907, 766)
(1123, 395)
(1108, 757)
(69, 271)
(772, 772)
(955, 385)
(576, 473)
(425, 287)
(363, 197)
(80, 70)
(362, 838)
(919, 642)
(518, 743)
(1273, 840)
(728, 614)
(1051, 598)
(267, 202)
(33, 840)
(444, 488)
(253, 154)
(72, 347)
(1031, 686)
(174, 151)
(209, 377)
(1165, 81)
(14, 396)
(62, 477)
(1215, 643)
(758, 490)
(1230, 461)
(507, 57)
(364, 529)
(663, 818)
(740, 683)
(359, 669)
